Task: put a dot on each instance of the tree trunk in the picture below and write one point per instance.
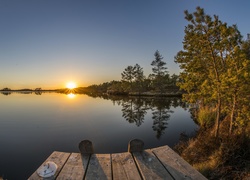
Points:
(217, 121)
(232, 114)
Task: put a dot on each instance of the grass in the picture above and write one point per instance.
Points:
(206, 117)
(225, 157)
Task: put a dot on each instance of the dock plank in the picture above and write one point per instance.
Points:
(157, 163)
(99, 167)
(75, 167)
(124, 167)
(150, 167)
(59, 158)
(176, 165)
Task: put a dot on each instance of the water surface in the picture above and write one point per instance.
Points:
(32, 126)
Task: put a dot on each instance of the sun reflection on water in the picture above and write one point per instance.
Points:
(71, 95)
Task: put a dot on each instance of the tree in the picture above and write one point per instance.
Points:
(128, 77)
(160, 74)
(139, 78)
(208, 46)
(174, 79)
(133, 78)
(246, 48)
(159, 68)
(6, 89)
(235, 82)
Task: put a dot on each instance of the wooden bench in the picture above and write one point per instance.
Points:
(157, 163)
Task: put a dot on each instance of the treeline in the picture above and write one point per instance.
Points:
(134, 82)
(25, 89)
(215, 63)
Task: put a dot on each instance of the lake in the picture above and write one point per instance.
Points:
(32, 126)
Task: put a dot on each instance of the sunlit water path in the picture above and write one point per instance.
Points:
(33, 126)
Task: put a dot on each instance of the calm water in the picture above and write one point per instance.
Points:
(33, 126)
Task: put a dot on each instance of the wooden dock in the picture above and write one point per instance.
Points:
(156, 163)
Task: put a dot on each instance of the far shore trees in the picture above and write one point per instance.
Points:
(134, 82)
(6, 89)
(159, 82)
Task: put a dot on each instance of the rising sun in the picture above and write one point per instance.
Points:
(71, 85)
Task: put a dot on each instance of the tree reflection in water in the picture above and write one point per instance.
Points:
(134, 110)
(161, 115)
(6, 93)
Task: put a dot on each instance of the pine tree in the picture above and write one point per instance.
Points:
(160, 74)
(128, 76)
(209, 45)
(133, 78)
(139, 78)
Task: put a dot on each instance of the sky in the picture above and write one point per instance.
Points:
(47, 43)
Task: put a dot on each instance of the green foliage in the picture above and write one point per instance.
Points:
(215, 65)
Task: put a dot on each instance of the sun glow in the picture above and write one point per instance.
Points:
(71, 85)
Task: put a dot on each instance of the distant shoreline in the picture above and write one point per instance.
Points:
(148, 94)
(27, 90)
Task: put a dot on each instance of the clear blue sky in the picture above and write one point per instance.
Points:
(46, 43)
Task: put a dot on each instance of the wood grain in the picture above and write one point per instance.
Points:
(99, 167)
(75, 167)
(150, 167)
(176, 165)
(59, 158)
(123, 166)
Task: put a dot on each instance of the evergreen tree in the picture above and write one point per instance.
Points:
(159, 68)
(128, 76)
(139, 78)
(235, 82)
(209, 45)
(133, 78)
(160, 74)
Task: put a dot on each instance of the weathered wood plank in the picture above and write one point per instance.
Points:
(149, 166)
(157, 163)
(59, 158)
(75, 167)
(176, 165)
(123, 166)
(99, 167)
